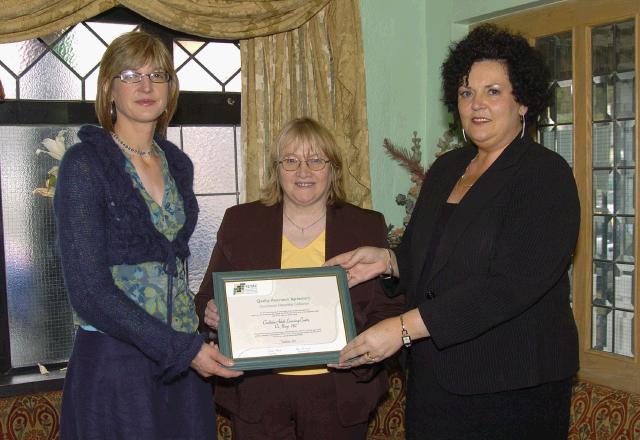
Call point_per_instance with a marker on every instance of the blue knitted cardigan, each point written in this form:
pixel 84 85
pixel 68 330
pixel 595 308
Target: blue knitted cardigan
pixel 102 220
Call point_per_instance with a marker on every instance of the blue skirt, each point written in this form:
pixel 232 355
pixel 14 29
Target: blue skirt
pixel 110 393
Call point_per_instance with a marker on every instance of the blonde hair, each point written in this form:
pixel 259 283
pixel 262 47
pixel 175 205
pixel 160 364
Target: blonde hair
pixel 133 50
pixel 304 131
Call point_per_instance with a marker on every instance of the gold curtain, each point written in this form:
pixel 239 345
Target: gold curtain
pixel 315 70
pixel 299 57
pixel 228 19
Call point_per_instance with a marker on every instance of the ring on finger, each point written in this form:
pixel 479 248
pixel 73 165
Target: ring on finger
pixel 369 358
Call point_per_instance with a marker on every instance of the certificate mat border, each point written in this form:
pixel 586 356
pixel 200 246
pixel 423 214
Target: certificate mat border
pixel 290 360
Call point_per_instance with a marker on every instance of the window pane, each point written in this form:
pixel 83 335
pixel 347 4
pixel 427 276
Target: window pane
pixel 603 237
pixel 603 89
pixel 625 239
pixel 18 56
pixel 49 79
pixel 564 102
pixel 211 66
pixel 212 150
pixel 603 283
pixel 602 50
pixel 51 38
pixel 624 43
pixel 624 333
pixel 8 83
pixel 91 86
pixel 179 56
pixel 602 144
pixel 603 192
pixel 547 137
pixel 110 31
pixel 624 286
pixel 193 77
pixel 625 143
pixel 201 244
pixel 625 102
pixel 191 46
pixel 601 332
pixel 80 49
pixel 235 84
pixel 625 191
pixel 40 323
pixel 564 142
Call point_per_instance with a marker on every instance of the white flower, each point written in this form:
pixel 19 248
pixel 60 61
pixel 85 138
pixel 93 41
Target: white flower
pixel 54 148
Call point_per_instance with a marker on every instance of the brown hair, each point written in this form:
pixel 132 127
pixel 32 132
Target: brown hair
pixel 304 131
pixel 133 50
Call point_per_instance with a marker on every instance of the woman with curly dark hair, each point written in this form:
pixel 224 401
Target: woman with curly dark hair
pixel 483 262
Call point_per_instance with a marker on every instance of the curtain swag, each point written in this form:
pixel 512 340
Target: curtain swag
pixel 225 19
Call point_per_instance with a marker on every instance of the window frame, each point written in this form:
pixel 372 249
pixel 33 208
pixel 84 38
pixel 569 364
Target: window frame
pixel 194 109
pixel 579 17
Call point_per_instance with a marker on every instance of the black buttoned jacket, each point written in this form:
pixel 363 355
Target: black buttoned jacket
pixel 496 296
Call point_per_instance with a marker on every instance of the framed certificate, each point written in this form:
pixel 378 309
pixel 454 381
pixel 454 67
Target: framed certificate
pixel 283 318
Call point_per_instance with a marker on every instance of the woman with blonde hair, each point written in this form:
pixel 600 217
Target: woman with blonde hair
pixel 125 210
pixel 301 220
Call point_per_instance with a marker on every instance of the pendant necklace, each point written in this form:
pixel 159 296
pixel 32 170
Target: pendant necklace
pixel 461 183
pixel 123 145
pixel 461 179
pixel 305 227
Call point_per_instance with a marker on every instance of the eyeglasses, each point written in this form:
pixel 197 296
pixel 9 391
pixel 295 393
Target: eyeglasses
pixel 131 76
pixel 292 163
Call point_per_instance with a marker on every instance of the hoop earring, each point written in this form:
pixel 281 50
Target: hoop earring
pixel 464 136
pixel 524 125
pixel 113 113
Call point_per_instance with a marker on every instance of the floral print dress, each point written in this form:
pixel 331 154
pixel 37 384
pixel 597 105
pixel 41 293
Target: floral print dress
pixel 147 283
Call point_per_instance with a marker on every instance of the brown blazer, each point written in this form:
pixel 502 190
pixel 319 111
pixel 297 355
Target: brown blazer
pixel 250 238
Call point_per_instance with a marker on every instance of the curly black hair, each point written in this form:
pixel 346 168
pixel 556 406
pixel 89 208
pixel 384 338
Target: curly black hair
pixel 528 73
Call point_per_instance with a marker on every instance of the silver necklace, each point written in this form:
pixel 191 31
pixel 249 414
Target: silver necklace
pixel 305 227
pixel 140 153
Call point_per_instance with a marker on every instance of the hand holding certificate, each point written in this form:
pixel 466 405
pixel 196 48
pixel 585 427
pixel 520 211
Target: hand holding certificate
pixel 283 318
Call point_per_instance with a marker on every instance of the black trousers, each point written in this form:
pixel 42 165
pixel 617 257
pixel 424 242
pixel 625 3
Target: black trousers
pixel 536 413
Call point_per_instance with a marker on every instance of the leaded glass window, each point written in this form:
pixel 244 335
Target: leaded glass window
pixel 613 183
pixel 60 71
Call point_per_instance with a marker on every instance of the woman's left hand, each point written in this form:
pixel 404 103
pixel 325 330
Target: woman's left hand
pixel 373 345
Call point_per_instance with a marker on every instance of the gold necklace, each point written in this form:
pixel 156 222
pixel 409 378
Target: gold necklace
pixel 306 227
pixel 460 180
pixel 140 153
pixel 461 183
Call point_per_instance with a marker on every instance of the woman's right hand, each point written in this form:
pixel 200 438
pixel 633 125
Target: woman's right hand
pixel 364 263
pixel 210 362
pixel 211 315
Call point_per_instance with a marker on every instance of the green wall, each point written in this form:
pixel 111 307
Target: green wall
pixel 395 48
pixel 405 42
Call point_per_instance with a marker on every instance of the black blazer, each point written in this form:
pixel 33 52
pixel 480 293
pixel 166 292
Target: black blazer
pixel 496 297
pixel 250 238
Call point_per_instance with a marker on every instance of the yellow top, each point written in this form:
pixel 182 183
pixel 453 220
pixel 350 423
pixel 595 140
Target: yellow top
pixel 292 257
